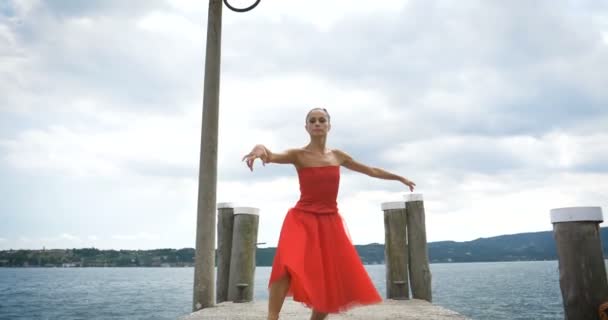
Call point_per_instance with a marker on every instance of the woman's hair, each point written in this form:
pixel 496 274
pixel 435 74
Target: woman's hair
pixel 322 109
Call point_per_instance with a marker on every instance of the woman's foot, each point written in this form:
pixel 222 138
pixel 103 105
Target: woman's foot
pixel 317 315
pixel 278 291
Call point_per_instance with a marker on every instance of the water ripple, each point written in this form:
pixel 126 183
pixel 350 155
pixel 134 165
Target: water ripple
pixel 500 290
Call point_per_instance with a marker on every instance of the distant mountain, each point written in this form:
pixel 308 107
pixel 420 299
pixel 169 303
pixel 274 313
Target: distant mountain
pixel 516 247
pixel 522 246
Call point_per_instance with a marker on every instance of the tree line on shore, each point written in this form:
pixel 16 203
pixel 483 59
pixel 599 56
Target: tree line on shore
pixel 517 247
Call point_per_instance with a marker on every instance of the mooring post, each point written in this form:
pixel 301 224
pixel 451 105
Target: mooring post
pixel 396 250
pixel 420 271
pixel 242 258
pixel 582 273
pixel 225 223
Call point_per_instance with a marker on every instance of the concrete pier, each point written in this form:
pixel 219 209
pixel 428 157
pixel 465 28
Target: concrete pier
pixel 413 309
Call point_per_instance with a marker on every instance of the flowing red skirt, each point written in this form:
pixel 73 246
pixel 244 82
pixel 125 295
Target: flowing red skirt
pixel 326 272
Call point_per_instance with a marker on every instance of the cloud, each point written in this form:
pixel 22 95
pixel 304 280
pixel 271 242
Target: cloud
pixel 138 236
pixel 68 236
pixel 466 68
pixel 65 9
pixel 150 141
pixel 95 58
pixel 496 110
pixel 553 152
pixel 61 238
pixel 25 239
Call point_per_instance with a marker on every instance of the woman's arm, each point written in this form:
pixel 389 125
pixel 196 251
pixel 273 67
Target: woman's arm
pixel 263 153
pixel 347 161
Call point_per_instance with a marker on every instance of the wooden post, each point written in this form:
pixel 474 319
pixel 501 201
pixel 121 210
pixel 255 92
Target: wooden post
pixel 242 259
pixel 225 222
pixel 395 250
pixel 582 274
pixel 420 272
pixel 204 258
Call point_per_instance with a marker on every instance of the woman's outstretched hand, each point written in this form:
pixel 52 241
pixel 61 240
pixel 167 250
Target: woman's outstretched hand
pixel 257 152
pixel 408 183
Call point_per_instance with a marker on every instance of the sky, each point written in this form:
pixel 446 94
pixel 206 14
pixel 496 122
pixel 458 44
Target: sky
pixel 498 110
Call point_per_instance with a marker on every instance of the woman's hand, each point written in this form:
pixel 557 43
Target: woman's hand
pixel 408 183
pixel 258 151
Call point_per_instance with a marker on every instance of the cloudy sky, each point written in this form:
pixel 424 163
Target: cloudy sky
pixel 498 110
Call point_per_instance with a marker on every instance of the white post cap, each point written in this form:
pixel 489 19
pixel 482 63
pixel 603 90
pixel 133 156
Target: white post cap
pixel 413 197
pixel 573 214
pixel 246 210
pixel 393 205
pixel 225 205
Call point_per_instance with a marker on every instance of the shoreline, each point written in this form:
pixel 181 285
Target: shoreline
pixel 262 266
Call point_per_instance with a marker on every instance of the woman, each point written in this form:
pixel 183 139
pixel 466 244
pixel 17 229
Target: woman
pixel 315 260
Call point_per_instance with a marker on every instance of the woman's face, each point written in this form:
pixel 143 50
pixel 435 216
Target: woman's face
pixel 317 123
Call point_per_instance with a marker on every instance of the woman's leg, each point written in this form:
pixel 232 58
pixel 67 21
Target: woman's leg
pixel 317 315
pixel 278 291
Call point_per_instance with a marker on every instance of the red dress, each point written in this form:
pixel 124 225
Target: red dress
pixel 314 248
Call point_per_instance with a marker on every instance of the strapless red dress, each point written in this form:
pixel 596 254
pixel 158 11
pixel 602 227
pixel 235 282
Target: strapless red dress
pixel 315 249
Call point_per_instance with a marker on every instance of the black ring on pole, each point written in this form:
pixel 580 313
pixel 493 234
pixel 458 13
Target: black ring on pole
pixel 241 10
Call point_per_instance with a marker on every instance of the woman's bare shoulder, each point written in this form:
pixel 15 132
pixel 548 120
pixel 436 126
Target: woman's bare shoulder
pixel 296 151
pixel 297 154
pixel 341 156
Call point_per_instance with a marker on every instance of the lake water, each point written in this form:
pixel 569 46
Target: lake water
pixel 497 290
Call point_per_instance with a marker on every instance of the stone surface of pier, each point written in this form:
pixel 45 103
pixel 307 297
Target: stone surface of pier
pixel 413 309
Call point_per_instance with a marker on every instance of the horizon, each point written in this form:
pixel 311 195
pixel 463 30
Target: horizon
pixel 266 247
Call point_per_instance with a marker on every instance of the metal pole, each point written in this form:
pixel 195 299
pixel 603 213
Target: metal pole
pixel 204 261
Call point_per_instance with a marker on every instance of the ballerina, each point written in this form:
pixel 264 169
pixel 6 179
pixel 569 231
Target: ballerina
pixel 315 260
